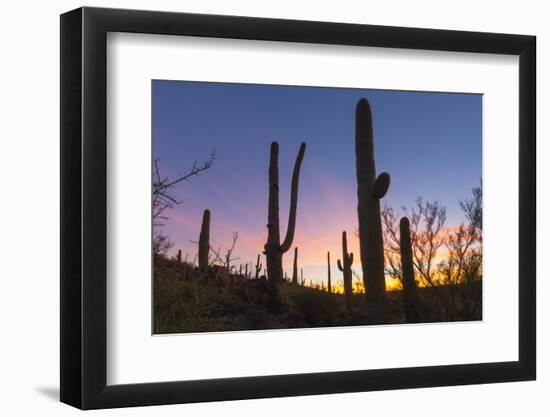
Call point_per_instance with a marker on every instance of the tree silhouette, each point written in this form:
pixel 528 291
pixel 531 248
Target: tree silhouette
pixel 163 198
pixel 461 266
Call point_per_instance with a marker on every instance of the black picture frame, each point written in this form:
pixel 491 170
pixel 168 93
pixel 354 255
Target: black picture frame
pixel 84 207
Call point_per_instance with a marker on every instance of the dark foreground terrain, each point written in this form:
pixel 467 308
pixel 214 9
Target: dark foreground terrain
pixel 189 300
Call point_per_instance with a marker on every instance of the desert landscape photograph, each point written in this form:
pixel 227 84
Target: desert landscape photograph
pixel 291 207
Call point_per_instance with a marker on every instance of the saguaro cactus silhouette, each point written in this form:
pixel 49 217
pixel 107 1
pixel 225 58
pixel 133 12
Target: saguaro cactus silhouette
pixel 273 248
pixel 295 267
pixel 329 286
pixel 204 240
pixel 345 267
pixel 410 297
pixel 370 189
pixel 258 267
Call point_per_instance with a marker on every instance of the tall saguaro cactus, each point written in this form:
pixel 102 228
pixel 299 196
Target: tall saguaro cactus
pixel 329 286
pixel 370 189
pixel 345 267
pixel 410 297
pixel 274 249
pixel 204 240
pixel 295 267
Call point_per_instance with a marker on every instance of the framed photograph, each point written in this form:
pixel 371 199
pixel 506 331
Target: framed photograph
pixel 259 208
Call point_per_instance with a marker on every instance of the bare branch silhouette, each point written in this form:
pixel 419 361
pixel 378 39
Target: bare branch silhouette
pixel 463 258
pixel 463 265
pixel 226 259
pixel 163 187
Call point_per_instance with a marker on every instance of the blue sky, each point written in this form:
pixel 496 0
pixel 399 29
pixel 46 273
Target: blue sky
pixel 430 143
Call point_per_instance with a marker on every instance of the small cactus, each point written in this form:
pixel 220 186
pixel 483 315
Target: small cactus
pixel 204 240
pixel 295 267
pixel 410 297
pixel 329 286
pixel 178 256
pixel 258 267
pixel 345 267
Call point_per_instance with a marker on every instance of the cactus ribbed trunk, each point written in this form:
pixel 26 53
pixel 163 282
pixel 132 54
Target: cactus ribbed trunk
pixel 370 189
pixel 410 297
pixel 273 248
pixel 204 240
pixel 329 285
pixel 345 267
pixel 295 267
pixel 274 256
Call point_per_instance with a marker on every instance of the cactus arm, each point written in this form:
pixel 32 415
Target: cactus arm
pixel 293 200
pixel 381 185
pixel 349 260
pixel 340 265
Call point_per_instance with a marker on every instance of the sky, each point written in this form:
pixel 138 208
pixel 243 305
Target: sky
pixel 429 143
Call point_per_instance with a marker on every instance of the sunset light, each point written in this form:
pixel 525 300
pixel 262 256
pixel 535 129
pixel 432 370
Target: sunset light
pixel 260 186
